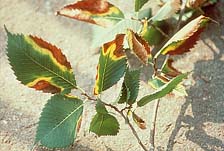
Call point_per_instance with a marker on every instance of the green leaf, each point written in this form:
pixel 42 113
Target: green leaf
pixel 103 35
pixel 145 14
pixel 100 108
pixel 104 124
pixel 184 39
pixel 124 94
pixel 151 34
pixel 112 64
pixel 159 81
pixel 167 11
pixel 187 15
pixel 98 12
pixel 131 86
pixel 38 64
pixel 59 121
pixel 139 4
pixel 164 90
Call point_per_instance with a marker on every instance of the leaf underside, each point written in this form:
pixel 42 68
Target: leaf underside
pixel 98 12
pixel 164 90
pixel 103 35
pixel 59 121
pixel 112 64
pixel 39 65
pixel 167 11
pixel 186 38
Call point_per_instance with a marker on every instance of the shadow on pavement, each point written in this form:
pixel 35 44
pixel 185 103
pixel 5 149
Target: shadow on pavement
pixel 206 97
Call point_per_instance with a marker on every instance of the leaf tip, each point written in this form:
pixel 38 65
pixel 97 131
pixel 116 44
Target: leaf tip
pixel 6 30
pixel 57 13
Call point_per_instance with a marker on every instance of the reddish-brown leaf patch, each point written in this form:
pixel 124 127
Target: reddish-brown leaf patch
pixel 45 86
pixel 57 54
pixel 139 46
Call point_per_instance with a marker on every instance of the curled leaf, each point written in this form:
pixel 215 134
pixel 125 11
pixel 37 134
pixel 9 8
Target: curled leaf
pixel 162 91
pixel 169 70
pixel 160 80
pixel 102 35
pixel 139 121
pixel 98 12
pixel 185 38
pixel 139 46
pixel 112 64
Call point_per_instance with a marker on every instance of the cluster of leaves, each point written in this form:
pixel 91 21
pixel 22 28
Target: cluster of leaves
pixel 42 66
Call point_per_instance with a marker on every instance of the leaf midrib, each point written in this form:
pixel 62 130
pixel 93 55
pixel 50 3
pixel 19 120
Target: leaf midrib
pixel 101 123
pixel 59 124
pixel 33 60
pixel 104 70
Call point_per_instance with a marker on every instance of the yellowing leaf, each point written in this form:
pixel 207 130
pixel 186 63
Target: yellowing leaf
pixel 39 64
pixel 186 38
pixel 102 35
pixel 112 64
pixel 98 12
pixel 139 46
pixel 139 121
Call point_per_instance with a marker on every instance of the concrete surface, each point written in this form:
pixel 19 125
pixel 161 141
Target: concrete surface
pixel 192 123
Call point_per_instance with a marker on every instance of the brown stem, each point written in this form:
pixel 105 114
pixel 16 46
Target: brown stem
pixel 154 26
pixel 129 124
pixel 153 126
pixel 183 6
pixel 134 132
pixel 126 108
pixel 155 67
pixel 118 111
pixel 83 92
